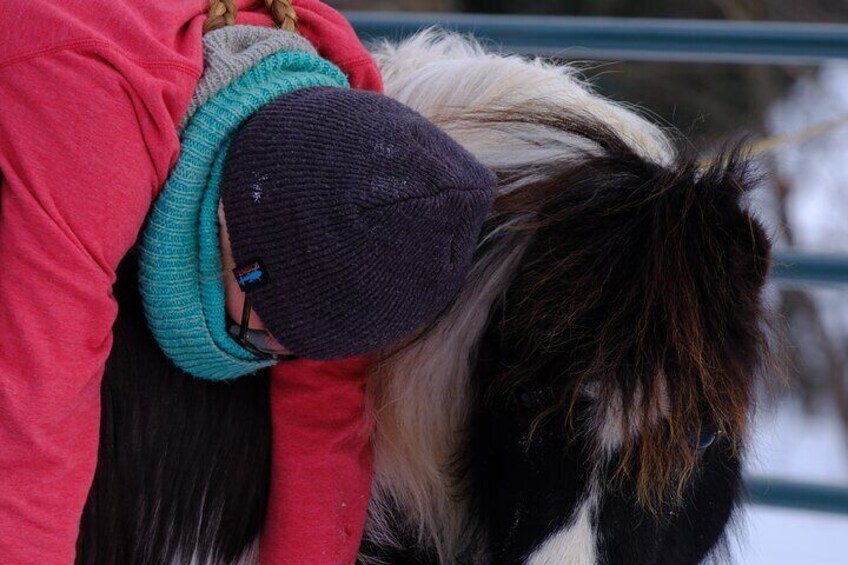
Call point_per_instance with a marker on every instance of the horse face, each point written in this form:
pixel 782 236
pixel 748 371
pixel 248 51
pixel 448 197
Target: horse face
pixel 544 493
pixel 543 501
pixel 615 377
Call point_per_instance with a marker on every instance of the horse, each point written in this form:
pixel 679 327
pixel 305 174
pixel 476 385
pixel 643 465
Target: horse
pixel 584 400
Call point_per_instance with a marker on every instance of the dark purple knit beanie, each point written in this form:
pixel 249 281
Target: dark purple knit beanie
pixel 363 215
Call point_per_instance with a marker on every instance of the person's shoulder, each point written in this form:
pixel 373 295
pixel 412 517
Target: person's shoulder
pixel 154 32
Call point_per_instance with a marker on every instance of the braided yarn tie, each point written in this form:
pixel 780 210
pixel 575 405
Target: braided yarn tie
pixel 223 13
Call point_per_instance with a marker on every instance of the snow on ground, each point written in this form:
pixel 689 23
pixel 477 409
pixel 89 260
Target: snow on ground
pixel 775 536
pixel 802 447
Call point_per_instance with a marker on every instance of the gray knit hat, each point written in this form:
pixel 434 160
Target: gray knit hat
pixel 362 214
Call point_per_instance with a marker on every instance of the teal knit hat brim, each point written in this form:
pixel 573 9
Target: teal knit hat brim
pixel 180 271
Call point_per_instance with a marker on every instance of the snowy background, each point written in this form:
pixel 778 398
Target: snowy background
pixel 804 447
pixel 800 435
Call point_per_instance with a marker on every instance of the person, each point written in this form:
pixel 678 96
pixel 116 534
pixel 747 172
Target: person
pixel 351 221
pixel 93 93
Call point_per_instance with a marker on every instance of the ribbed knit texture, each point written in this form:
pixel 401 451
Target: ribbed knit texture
pixel 230 51
pixel 180 273
pixel 364 214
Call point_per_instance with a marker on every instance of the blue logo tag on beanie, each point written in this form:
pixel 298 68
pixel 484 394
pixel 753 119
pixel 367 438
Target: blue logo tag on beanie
pixel 251 275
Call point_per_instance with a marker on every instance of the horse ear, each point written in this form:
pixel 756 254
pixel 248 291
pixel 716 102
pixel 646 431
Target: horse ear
pixel 759 251
pixel 729 179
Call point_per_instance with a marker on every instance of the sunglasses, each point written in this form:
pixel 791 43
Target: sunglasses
pixel 259 342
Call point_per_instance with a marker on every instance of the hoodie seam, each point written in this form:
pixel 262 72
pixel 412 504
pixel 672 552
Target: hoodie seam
pixel 76 44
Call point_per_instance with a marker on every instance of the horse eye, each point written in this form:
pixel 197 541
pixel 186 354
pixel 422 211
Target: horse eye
pixel 704 439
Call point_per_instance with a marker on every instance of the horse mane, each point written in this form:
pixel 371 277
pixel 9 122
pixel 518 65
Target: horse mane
pixel 606 248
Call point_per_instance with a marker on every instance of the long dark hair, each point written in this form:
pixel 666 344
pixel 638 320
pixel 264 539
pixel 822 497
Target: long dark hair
pixel 183 464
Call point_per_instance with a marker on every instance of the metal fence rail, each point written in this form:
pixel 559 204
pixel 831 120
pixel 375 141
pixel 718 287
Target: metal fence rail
pixel 627 39
pixel 796 495
pixel 810 267
pixel 666 40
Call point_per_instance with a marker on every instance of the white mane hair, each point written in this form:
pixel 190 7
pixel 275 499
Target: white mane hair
pixel 420 394
pixel 444 75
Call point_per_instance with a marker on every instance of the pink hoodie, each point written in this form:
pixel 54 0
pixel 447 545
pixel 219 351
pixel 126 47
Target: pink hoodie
pixel 91 92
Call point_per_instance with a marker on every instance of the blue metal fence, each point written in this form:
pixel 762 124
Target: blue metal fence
pixel 810 267
pixel 666 40
pixel 781 493
pixel 627 39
